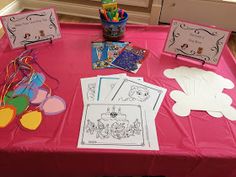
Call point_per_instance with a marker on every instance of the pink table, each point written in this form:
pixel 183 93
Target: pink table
pixel 195 146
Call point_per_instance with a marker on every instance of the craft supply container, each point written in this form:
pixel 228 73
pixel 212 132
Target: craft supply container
pixel 114 31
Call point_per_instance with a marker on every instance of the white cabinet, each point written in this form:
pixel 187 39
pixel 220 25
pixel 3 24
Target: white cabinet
pixel 211 12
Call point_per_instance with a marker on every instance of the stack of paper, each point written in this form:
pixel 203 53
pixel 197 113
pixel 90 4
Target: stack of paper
pixel 202 91
pixel 119 113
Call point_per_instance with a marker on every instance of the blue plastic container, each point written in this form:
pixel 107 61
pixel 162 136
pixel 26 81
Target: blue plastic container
pixel 114 30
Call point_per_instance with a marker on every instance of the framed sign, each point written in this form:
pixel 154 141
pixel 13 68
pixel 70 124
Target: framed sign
pixel 201 42
pixel 31 27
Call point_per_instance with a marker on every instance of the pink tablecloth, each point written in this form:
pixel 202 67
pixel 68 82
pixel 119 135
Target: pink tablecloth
pixel 194 146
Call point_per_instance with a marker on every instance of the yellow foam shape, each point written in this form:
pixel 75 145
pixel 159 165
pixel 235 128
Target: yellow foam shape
pixel 7 114
pixel 31 120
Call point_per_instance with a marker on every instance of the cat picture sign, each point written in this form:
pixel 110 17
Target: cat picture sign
pixel 204 43
pixel 31 27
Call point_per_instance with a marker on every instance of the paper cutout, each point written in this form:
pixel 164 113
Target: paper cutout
pixel 28 86
pixel 40 96
pixel 229 112
pixel 20 102
pixel 53 105
pixel 7 114
pixel 31 120
pixel 215 114
pixel 202 91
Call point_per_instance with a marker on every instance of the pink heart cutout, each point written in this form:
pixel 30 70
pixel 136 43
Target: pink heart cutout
pixel 53 105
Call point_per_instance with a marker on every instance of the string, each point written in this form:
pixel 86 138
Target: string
pixel 20 71
pixel 53 78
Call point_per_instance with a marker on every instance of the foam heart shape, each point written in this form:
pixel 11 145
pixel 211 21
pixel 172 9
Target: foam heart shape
pixel 53 105
pixel 31 120
pixel 25 90
pixel 38 80
pixel 20 102
pixel 41 95
pixel 7 114
pixel 8 96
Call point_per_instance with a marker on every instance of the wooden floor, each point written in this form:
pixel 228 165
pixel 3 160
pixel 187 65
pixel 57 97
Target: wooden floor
pixel 74 19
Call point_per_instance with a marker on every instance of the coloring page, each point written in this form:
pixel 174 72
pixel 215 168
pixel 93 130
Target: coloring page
pixel 117 126
pixel 105 84
pixel 130 90
pixel 89 87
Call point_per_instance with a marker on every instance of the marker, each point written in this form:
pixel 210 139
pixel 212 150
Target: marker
pixel 121 12
pixel 109 15
pixel 105 15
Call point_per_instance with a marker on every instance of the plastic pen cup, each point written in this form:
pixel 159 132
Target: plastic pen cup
pixel 114 30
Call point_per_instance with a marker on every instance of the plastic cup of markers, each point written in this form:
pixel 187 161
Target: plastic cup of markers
pixel 114 31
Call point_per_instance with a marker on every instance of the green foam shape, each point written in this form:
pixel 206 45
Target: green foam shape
pixel 8 96
pixel 20 102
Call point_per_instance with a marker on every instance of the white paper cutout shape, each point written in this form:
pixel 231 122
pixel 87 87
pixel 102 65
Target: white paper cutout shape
pixel 202 91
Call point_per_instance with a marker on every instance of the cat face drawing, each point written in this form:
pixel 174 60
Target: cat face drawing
pixel 139 93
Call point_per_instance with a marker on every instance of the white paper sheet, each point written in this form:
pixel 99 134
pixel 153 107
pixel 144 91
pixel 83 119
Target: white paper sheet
pixel 105 84
pixel 130 90
pixel 89 87
pixel 117 126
